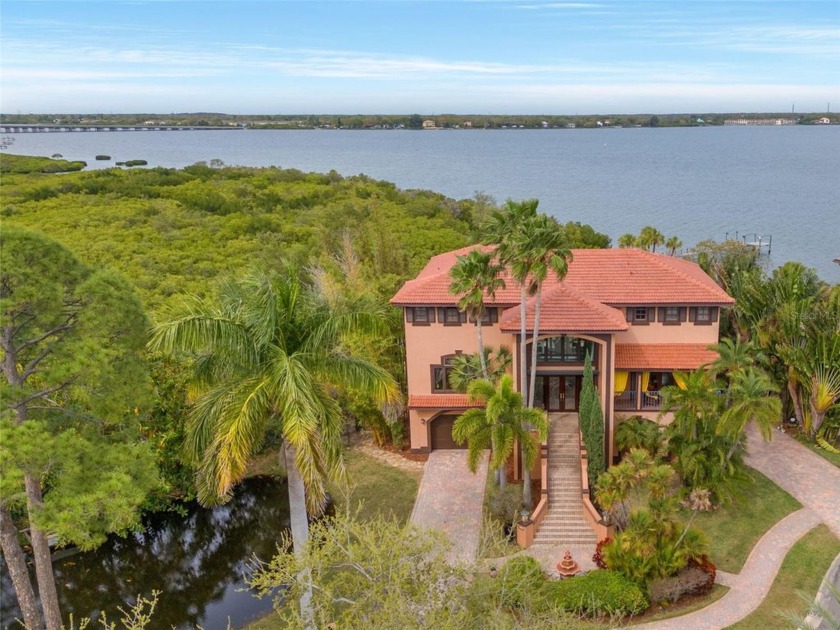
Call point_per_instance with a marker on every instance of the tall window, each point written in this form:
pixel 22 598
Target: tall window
pixel 440 375
pixel 421 315
pixel 704 314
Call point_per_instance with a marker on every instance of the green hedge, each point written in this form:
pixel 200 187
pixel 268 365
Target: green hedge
pixel 597 593
pixel 520 580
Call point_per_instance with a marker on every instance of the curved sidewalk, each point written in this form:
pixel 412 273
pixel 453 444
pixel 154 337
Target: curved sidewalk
pixel 806 476
pixel 812 481
pixel 749 588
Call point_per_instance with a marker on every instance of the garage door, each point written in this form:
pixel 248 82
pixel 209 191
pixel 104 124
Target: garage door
pixel 442 433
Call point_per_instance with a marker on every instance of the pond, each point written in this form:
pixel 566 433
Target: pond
pixel 198 561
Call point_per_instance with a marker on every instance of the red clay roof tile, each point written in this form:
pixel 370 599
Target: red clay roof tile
pixel 563 309
pixel 623 276
pixel 662 356
pixel 440 401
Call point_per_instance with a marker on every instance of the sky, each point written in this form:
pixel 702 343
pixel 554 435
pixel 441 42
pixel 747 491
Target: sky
pixel 402 57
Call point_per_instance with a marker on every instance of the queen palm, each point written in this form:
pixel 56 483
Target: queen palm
pixel 503 421
pixel 541 249
pixel 503 229
pixel 474 277
pixel 267 353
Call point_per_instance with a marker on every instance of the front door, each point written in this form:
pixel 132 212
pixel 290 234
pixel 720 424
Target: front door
pixel 557 393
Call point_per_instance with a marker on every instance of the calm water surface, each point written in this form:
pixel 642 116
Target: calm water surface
pixel 197 561
pixel 696 183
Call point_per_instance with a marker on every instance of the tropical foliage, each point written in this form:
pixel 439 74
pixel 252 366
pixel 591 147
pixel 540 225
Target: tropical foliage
pixel 652 541
pixel 500 423
pixel 74 384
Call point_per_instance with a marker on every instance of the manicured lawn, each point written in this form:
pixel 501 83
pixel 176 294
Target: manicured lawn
pixel 382 490
pixel 733 530
pixel 802 571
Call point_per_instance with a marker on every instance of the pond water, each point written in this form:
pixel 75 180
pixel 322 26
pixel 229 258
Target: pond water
pixel 199 562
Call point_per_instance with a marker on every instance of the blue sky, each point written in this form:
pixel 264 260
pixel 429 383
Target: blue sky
pixel 476 57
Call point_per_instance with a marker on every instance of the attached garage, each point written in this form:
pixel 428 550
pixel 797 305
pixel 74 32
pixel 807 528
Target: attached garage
pixel 441 432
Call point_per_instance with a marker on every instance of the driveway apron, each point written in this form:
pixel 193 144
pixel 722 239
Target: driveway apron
pixel 451 499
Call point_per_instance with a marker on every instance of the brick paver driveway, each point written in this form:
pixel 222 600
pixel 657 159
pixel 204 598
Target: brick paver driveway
pixel 450 499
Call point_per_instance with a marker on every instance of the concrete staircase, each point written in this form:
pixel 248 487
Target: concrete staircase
pixel 565 523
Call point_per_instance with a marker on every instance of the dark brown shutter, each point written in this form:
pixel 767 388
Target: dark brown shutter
pixel 409 314
pixel 652 314
pixel 662 311
pixel 682 313
pixel 441 314
pixel 630 313
pixel 692 314
pixel 713 313
pixel 494 316
pixel 463 316
pixel 431 311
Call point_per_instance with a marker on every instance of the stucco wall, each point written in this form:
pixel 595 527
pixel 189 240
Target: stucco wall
pixel 425 345
pixel 657 332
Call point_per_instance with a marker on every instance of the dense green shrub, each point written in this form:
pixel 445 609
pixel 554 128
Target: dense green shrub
pixel 504 505
pixel 31 164
pixel 136 162
pixel 595 593
pixel 520 580
pixel 688 581
pixel 103 157
pixel 638 432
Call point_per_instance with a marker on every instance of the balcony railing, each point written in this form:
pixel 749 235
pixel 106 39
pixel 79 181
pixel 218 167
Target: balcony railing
pixel 651 399
pixel 626 400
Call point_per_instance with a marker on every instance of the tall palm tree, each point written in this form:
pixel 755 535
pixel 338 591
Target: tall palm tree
pixel 503 229
pixel 750 398
pixel 692 404
pixel 268 352
pixel 628 240
pixel 542 250
pixel 474 277
pixel 503 421
pixel 734 356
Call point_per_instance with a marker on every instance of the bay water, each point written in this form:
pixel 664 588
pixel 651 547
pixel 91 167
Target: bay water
pixel 696 183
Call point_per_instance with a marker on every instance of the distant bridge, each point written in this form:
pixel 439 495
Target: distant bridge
pixel 7 128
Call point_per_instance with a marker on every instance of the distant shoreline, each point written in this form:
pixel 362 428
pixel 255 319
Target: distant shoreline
pixel 420 122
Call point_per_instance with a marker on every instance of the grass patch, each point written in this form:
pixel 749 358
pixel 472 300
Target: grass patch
pixel 734 529
pixel 832 458
pixel 802 571
pixel 10 163
pixel 381 489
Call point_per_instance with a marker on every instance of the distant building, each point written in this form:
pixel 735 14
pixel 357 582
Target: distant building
pixel 429 124
pixel 824 121
pixel 467 124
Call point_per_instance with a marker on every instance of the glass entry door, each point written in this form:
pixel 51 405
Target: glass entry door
pixel 557 393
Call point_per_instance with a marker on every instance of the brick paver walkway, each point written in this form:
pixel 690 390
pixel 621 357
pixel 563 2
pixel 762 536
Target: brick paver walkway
pixel 809 478
pixel 451 499
pixel 806 476
pixel 749 588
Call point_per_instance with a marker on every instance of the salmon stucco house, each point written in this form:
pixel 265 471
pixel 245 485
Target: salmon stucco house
pixel 641 315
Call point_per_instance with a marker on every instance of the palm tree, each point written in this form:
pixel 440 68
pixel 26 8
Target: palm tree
pixel 673 244
pixel 503 230
pixel 542 249
pixel 466 368
pixel 474 277
pixel 502 422
pixel 734 356
pixel 750 400
pixel 650 237
pixel 268 353
pixel 692 404
pixel 628 240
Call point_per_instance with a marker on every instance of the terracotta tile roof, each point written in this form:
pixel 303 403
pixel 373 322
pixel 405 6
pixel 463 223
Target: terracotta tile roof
pixel 662 356
pixel 564 309
pixel 623 276
pixel 440 401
